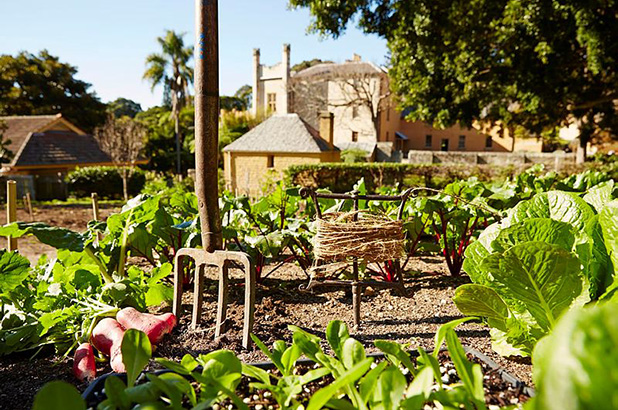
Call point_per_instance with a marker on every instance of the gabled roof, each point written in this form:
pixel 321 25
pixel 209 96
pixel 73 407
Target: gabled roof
pixel 281 133
pixel 39 140
pixel 59 148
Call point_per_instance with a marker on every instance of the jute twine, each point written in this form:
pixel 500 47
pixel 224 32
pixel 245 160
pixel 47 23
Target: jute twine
pixel 373 238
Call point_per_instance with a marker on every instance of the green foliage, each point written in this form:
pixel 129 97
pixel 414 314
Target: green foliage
pixel 574 366
pixel 123 107
pixel 136 353
pixel 494 61
pixel 58 395
pixel 245 94
pixel 42 84
pixel 160 144
pixel 105 181
pixel 6 155
pixel 351 156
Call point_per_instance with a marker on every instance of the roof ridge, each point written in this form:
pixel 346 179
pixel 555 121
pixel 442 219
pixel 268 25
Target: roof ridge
pixel 31 116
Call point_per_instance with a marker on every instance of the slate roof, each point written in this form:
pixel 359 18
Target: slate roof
pixel 33 144
pixel 281 133
pixel 19 127
pixel 60 148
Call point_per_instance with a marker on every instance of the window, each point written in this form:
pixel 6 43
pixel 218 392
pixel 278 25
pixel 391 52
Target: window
pixel 489 142
pixel 272 102
pixel 444 144
pixel 462 142
pixel 270 161
pixel 388 136
pixel 388 112
pixel 354 136
pixel 355 111
pixel 428 141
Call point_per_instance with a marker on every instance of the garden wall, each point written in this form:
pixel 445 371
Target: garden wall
pixel 549 159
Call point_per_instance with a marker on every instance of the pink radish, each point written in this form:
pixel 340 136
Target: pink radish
pixel 116 359
pixel 84 366
pixel 155 327
pixel 106 334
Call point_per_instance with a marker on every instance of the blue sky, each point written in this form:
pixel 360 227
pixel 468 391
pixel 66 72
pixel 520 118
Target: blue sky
pixel 109 40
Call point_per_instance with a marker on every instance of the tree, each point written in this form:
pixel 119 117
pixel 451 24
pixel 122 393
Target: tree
pixel 42 84
pixel 5 153
pixel 351 88
pixel 245 94
pixel 170 68
pixel 122 139
pixel 536 64
pixel 308 63
pixel 159 145
pixel 121 107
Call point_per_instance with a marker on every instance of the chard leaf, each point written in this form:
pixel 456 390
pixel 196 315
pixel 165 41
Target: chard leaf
pixel 59 238
pixel 543 277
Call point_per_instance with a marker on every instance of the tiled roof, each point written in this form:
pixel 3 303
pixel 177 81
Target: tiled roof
pixel 61 147
pixel 281 133
pixel 20 126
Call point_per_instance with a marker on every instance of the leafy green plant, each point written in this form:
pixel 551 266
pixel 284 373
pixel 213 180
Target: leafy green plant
pixel 105 181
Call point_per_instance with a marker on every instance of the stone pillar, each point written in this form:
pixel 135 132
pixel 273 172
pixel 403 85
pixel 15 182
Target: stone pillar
pixel 256 103
pixel 285 77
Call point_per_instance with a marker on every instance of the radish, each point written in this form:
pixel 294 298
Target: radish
pixel 116 359
pixel 107 334
pixel 155 327
pixel 84 366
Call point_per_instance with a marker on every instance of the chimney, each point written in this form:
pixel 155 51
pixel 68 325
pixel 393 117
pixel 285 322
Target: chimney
pixel 285 76
pixel 356 58
pixel 327 129
pixel 255 104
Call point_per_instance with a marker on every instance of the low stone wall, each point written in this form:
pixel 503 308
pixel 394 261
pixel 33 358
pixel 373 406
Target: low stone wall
pixel 550 159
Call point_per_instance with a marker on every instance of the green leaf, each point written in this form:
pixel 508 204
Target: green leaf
pixel 535 229
pixel 396 354
pixel 544 278
pixel 336 334
pixel 367 384
pixel 59 238
pixel 558 205
pixel 470 374
pixel 608 221
pixel 475 253
pixel 115 392
pixel 322 396
pixel 58 395
pixel 575 366
pixel 479 300
pixel 352 353
pixel 14 268
pixel 599 195
pixel 136 353
pixel 159 293
pixel 390 388
pixel 442 331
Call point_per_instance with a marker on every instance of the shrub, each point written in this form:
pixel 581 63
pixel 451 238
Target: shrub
pixel 105 181
pixel 352 156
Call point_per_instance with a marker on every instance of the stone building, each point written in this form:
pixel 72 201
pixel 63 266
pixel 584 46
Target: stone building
pixel 262 154
pixel 357 93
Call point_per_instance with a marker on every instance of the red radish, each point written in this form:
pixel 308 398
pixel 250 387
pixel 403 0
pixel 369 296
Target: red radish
pixel 84 366
pixel 106 334
pixel 116 359
pixel 155 327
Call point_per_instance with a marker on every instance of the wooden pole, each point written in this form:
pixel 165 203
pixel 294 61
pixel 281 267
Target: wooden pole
pixel 11 211
pixel 95 210
pixel 29 205
pixel 207 121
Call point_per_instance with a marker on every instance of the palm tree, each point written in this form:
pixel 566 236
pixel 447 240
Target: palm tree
pixel 170 69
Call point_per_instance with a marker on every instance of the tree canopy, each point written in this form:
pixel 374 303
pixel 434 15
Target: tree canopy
pixel 533 63
pixel 123 107
pixel 42 84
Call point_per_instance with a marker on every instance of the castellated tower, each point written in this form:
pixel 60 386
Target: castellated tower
pixel 270 84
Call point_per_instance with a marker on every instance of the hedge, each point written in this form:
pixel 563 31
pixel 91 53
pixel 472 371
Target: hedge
pixel 105 181
pixel 340 177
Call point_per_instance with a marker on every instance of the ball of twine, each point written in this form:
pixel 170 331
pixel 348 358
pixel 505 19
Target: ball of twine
pixel 371 237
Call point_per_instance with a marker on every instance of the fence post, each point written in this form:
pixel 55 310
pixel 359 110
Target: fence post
pixel 11 211
pixel 29 206
pixel 95 211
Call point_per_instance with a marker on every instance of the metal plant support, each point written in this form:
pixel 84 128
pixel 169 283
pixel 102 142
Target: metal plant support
pixel 356 284
pixel 206 83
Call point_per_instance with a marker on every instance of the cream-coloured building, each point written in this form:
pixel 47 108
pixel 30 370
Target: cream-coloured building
pixel 357 93
pixel 262 154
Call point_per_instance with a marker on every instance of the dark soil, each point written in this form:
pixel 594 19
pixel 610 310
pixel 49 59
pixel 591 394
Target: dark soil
pixel 412 319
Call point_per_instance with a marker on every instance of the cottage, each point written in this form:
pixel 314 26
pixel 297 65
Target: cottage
pixel 267 150
pixel 44 148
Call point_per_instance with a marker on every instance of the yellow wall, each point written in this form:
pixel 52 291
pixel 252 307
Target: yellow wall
pixel 247 172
